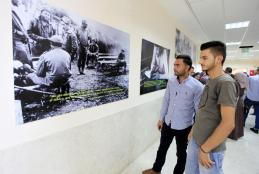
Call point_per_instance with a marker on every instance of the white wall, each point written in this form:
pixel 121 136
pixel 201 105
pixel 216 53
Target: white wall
pixel 102 139
pixel 242 65
pixel 103 146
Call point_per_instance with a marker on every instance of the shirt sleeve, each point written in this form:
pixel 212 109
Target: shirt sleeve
pixel 40 71
pixel 227 94
pixel 166 100
pixel 197 96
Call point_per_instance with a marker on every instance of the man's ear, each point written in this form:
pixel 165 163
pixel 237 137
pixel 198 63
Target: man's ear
pixel 188 67
pixel 219 59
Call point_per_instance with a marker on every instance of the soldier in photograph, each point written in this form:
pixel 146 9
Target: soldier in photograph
pixel 83 37
pixel 93 52
pixel 53 66
pixel 70 39
pixel 40 30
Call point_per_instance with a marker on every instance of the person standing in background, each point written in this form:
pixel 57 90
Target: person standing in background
pixel 241 84
pixel 70 39
pixel 83 37
pixel 192 72
pixel 93 53
pixel 40 30
pixel 228 70
pixel 252 99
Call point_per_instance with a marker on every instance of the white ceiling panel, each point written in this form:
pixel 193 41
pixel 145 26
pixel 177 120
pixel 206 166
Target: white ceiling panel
pixel 252 34
pixel 210 14
pixel 206 20
pixel 180 11
pixel 234 35
pixel 239 10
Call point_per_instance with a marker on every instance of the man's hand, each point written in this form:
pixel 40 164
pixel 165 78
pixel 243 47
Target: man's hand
pixel 218 136
pixel 205 160
pixel 190 135
pixel 159 125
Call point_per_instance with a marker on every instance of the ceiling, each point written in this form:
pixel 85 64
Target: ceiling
pixel 206 20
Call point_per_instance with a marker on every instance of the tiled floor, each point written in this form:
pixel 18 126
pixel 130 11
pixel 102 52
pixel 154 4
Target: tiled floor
pixel 242 156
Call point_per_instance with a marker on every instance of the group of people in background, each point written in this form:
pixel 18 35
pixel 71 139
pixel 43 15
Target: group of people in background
pixel 248 96
pixel 201 110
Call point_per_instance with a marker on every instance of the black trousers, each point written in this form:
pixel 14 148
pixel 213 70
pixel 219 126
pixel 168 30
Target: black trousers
pixel 167 136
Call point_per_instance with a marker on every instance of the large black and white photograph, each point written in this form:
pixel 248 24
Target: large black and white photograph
pixel 63 62
pixel 154 67
pixel 183 45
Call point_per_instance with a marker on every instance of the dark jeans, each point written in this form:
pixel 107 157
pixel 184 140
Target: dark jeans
pixel 247 105
pixel 167 135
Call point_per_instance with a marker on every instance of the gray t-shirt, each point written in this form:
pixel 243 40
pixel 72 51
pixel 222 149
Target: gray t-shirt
pixel 218 91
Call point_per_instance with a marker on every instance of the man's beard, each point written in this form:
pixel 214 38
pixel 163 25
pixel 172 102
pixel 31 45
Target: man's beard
pixel 179 74
pixel 210 67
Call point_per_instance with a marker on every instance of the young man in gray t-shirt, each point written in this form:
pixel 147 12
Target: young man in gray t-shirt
pixel 216 114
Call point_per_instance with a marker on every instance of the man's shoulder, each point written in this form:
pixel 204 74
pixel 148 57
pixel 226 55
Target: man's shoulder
pixel 61 50
pixel 193 80
pixel 194 83
pixel 172 79
pixel 56 51
pixel 225 78
pixel 60 53
pixel 44 54
pixel 224 84
pixel 256 77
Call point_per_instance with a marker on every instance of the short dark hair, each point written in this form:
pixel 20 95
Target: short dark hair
pixel 186 59
pixel 228 70
pixel 216 47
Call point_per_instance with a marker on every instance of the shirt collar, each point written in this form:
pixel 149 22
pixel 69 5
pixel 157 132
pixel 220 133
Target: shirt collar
pixel 184 81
